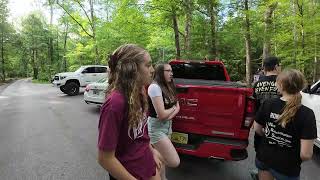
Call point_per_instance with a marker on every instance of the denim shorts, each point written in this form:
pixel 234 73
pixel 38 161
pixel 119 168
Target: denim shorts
pixel 159 129
pixel 278 176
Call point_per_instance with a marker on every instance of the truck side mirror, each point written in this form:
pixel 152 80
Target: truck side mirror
pixel 84 71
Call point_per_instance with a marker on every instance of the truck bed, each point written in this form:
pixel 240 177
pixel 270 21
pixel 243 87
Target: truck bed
pixel 200 82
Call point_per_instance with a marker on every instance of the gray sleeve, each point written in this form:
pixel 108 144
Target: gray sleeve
pixel 154 90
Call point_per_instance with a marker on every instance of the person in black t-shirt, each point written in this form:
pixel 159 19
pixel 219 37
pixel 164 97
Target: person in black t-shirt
pixel 288 129
pixel 265 88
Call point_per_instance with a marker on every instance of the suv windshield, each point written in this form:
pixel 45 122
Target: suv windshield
pixel 79 70
pixel 198 71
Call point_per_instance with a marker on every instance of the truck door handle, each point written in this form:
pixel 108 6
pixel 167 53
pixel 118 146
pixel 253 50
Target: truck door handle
pixel 182 89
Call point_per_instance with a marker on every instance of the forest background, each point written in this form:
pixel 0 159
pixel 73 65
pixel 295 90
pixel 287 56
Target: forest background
pixel 240 33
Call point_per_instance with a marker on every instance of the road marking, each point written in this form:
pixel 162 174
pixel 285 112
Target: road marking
pixel 4 97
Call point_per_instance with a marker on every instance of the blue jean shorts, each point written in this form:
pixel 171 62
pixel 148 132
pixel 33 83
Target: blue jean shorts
pixel 278 176
pixel 159 129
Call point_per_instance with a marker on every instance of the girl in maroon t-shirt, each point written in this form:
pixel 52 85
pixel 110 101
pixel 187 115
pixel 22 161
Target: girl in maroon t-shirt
pixel 123 142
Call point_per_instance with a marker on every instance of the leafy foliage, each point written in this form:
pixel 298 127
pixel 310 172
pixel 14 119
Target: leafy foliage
pixel 80 39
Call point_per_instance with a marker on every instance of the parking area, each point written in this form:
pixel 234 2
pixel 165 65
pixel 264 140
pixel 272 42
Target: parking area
pixel 45 134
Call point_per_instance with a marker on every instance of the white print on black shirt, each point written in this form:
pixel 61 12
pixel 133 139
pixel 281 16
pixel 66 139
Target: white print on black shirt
pixel 138 132
pixel 274 116
pixel 274 135
pixel 266 86
pixel 266 90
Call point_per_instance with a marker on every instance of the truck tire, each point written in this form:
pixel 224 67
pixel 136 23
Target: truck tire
pixel 72 88
pixel 63 89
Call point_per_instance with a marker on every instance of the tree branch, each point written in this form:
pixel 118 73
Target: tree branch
pixel 85 12
pixel 198 8
pixel 300 8
pixel 90 35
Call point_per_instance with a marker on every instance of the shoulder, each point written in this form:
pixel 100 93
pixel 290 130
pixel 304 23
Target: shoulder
pixel 154 86
pixel 115 101
pixel 305 111
pixel 154 90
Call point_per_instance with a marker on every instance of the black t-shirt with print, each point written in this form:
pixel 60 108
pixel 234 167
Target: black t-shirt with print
pixel 280 147
pixel 264 88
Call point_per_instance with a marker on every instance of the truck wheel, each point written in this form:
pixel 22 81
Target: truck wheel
pixel 63 89
pixel 72 88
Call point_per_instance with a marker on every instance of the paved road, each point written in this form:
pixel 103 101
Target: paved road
pixel 45 134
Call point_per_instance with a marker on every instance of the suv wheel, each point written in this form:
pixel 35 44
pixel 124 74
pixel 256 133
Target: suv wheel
pixel 63 89
pixel 72 88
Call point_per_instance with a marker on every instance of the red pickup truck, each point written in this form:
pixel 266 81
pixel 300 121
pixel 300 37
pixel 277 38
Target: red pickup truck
pixel 215 114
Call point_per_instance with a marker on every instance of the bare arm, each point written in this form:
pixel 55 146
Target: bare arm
pixel 110 163
pixel 163 114
pixel 306 150
pixel 175 112
pixel 258 128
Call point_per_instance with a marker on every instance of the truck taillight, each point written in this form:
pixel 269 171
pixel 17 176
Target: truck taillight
pixel 250 105
pixel 249 113
pixel 87 89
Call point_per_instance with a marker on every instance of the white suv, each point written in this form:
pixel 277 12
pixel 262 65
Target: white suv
pixel 70 82
pixel 311 99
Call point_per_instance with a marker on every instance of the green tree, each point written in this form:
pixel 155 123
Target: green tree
pixel 35 37
pixel 4 27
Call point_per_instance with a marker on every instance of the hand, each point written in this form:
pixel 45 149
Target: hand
pixel 157 158
pixel 178 106
pixel 174 108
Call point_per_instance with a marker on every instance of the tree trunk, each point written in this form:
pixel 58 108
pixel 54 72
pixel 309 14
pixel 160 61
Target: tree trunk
pixel 58 52
pixel 24 62
pixel 267 26
pixel 50 42
pixel 65 48
pixel 212 13
pixel 189 10
pixel 248 44
pixel 295 39
pixel 2 57
pixel 315 65
pixel 33 64
pixel 176 33
pixel 93 26
pixel 275 43
pixel 302 38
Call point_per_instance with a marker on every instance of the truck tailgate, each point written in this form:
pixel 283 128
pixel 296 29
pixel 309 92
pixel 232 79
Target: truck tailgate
pixel 213 108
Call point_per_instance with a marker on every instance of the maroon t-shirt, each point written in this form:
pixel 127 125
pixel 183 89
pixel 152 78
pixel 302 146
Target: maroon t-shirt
pixel 131 146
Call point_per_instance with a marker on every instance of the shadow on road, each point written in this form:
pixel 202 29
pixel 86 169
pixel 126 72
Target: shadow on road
pixel 94 109
pixel 62 95
pixel 203 168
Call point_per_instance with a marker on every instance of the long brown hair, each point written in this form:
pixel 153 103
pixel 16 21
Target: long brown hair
pixel 292 82
pixel 168 88
pixel 125 76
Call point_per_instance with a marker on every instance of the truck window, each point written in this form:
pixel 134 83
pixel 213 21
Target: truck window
pixel 198 71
